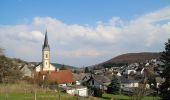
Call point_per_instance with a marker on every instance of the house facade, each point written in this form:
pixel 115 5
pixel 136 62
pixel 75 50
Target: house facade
pixel 76 90
pixel 98 81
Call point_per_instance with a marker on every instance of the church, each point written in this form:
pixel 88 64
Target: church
pixel 45 71
pixel 45 65
pixel 51 72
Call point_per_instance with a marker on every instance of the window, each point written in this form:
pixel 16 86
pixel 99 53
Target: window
pixel 46 56
pixel 92 82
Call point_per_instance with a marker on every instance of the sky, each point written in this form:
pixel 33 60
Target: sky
pixel 83 32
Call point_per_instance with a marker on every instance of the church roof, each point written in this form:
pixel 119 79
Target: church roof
pixel 46 45
pixel 61 76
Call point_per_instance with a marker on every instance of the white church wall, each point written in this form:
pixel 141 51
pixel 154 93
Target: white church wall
pixel 51 68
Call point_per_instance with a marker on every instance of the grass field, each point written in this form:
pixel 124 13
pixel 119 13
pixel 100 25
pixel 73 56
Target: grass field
pixel 125 97
pixel 39 96
pixel 27 92
pixel 63 96
pixel 24 91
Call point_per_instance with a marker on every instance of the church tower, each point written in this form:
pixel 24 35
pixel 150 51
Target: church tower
pixel 46 54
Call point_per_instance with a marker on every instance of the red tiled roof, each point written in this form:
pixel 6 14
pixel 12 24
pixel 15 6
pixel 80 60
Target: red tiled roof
pixel 61 76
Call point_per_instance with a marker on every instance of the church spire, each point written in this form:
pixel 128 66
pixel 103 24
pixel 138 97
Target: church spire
pixel 46 46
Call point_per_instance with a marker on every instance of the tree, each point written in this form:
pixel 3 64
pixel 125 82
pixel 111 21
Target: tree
pixel 9 70
pixel 165 58
pixel 86 70
pixel 97 92
pixel 63 67
pixel 114 87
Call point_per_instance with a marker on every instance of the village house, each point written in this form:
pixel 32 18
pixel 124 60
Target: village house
pixel 61 77
pixel 81 77
pixel 128 83
pixel 98 81
pixel 129 70
pixel 26 69
pixel 76 90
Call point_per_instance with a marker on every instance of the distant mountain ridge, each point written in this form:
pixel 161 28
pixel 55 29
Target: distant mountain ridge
pixel 57 65
pixel 131 58
pixel 134 57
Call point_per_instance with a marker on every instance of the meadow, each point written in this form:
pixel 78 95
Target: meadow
pixel 24 91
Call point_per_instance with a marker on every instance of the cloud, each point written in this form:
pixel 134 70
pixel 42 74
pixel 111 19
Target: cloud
pixel 147 32
pixel 80 53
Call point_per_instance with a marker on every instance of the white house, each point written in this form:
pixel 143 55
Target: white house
pixel 27 72
pixel 128 83
pixel 129 70
pixel 76 90
pixel 98 81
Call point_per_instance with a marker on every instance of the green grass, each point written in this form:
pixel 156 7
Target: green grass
pixel 109 96
pixel 26 92
pixel 64 96
pixel 125 97
pixel 40 96
pixel 151 98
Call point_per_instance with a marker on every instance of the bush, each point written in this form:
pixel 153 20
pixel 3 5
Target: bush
pixel 97 92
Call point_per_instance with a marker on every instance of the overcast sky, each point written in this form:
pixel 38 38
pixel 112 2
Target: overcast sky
pixel 83 32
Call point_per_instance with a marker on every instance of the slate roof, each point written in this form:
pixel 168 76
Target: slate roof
pixel 81 76
pixel 126 80
pixel 46 45
pixel 100 79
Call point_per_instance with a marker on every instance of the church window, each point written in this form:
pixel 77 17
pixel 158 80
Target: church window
pixel 46 56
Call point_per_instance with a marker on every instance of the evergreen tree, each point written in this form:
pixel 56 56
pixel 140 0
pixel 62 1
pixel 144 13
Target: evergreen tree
pixel 165 58
pixel 114 87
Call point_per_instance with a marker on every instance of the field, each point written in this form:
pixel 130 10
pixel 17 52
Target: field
pixel 30 92
pixel 39 96
pixel 23 91
pixel 63 96
pixel 125 97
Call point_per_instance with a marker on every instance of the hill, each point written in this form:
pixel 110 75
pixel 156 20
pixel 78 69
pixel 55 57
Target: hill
pixel 130 58
pixel 61 65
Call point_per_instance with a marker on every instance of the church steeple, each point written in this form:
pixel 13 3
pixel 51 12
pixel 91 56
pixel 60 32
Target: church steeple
pixel 46 45
pixel 46 54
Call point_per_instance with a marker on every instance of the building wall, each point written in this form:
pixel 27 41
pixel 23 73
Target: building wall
pixel 78 91
pixel 51 68
pixel 130 84
pixel 26 71
pixel 46 59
